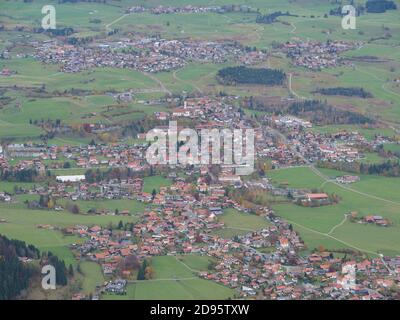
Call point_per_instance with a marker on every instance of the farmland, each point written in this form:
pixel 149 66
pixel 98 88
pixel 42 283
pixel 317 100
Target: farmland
pixel 371 195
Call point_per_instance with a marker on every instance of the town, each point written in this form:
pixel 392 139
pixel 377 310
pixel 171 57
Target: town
pixel 178 150
pixel 182 219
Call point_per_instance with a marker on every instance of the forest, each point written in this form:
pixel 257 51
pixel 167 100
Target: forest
pixel 380 6
pixel 318 112
pixel 244 75
pixel 14 274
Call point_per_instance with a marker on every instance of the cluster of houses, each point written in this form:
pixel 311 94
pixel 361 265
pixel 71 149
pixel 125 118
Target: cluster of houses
pixel 5 72
pixel 267 264
pixel 142 54
pixel 315 55
pixel 347 179
pixel 77 58
pixel 83 156
pixel 378 220
pixel 341 146
pixel 291 122
pixel 188 9
pixel 5 197
pixel 369 219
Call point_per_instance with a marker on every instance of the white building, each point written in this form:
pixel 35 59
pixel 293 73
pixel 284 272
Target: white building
pixel 71 178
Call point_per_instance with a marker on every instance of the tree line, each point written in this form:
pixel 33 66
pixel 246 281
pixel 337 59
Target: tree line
pixel 271 18
pixel 379 6
pixel 24 175
pixel 146 271
pixel 390 168
pixel 342 91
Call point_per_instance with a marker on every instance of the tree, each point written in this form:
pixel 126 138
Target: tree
pixel 73 208
pixel 50 203
pixel 70 270
pixel 142 271
pixel 149 273
pixel 120 225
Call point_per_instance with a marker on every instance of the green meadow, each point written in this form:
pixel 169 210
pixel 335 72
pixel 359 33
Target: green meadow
pixel 92 276
pixel 134 207
pixel 325 225
pixel 174 281
pixel 155 183
pixel 21 223
pixel 239 223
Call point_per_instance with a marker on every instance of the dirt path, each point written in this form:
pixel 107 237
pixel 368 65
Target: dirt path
pixel 187 267
pixel 189 83
pixel 291 89
pixel 332 237
pixel 163 87
pixel 294 27
pixel 116 20
pixel 338 225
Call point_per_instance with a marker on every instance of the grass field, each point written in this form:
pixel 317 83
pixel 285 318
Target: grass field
pixel 76 110
pixel 238 223
pixel 155 183
pixel 174 281
pixel 392 147
pixel 196 262
pixel 93 276
pixel 295 178
pixel 134 207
